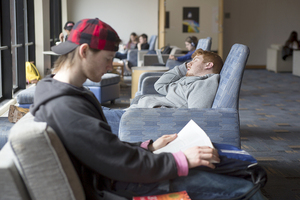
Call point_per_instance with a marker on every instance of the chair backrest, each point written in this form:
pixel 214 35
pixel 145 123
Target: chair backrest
pixel 132 57
pixel 152 42
pixel 231 77
pixel 11 184
pixel 42 162
pixel 204 43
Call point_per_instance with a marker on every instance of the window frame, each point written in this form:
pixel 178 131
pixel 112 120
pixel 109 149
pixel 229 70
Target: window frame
pixel 6 69
pixel 24 23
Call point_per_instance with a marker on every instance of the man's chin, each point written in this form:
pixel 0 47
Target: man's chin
pixel 96 80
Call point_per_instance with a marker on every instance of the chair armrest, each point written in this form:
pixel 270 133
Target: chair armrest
pixel 144 75
pixel 141 124
pixel 141 57
pixel 132 57
pixel 147 86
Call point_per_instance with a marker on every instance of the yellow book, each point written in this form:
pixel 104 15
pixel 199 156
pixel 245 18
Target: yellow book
pixel 183 195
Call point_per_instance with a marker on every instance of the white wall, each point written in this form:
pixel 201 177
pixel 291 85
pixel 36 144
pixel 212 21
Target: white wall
pixel 174 34
pixel 258 24
pixel 255 23
pixel 125 16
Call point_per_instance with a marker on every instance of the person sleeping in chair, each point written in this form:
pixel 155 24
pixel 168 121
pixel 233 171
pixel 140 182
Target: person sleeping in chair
pixel 189 85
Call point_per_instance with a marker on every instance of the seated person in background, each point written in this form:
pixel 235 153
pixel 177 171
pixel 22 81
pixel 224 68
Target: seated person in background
pixel 132 44
pixel 101 160
pixel 143 42
pixel 191 44
pixel 189 85
pixel 291 44
pixel 68 27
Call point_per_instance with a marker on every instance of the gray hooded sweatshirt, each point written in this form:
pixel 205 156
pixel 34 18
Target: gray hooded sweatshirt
pixel 182 91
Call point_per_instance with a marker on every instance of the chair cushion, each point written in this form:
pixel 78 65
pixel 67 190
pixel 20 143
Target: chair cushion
pixel 107 79
pixel 26 96
pixel 43 161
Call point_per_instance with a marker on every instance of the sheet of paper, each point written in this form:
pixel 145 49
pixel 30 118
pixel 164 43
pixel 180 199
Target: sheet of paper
pixel 191 135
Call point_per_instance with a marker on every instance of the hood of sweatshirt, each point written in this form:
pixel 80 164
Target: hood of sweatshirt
pixel 49 88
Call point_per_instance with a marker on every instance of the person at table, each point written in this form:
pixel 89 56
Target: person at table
pixel 107 167
pixel 290 45
pixel 143 42
pixel 67 28
pixel 191 43
pixel 131 44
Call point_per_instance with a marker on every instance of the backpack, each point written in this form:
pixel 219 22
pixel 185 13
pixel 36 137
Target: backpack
pixel 32 74
pixel 239 163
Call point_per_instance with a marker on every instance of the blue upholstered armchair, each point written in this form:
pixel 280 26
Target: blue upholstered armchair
pixel 132 55
pixel 221 122
pixel 147 79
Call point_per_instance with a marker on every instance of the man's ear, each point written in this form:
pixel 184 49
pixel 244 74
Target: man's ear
pixel 83 49
pixel 209 65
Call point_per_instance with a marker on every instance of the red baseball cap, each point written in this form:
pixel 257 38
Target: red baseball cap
pixel 96 33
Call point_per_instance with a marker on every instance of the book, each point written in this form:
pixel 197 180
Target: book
pixel 183 195
pixel 190 135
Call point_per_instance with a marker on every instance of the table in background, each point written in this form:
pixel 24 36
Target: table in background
pixel 137 71
pixel 117 66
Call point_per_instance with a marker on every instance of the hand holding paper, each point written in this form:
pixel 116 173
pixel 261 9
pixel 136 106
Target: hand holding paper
pixel 195 144
pixel 191 135
pixel 162 142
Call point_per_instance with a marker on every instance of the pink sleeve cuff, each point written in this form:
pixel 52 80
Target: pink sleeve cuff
pixel 181 163
pixel 145 144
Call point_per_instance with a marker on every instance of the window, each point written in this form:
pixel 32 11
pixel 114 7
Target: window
pixel 16 44
pixel 5 40
pixel 55 24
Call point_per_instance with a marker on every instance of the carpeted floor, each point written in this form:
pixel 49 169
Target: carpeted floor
pixel 270 127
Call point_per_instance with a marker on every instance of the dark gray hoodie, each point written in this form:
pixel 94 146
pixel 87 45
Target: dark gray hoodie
pixel 98 155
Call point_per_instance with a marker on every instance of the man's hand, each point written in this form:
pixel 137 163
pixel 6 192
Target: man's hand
pixel 139 46
pixel 201 156
pixel 61 37
pixel 162 141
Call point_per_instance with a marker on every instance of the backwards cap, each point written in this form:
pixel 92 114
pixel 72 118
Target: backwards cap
pixel 69 25
pixel 94 32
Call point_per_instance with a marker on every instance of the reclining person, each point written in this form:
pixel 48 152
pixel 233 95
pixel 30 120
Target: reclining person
pixel 189 85
pixel 105 165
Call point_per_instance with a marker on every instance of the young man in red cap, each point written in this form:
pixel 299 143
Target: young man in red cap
pixel 109 168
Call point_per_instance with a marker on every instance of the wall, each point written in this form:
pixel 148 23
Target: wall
pixel 140 16
pixel 258 24
pixel 208 20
